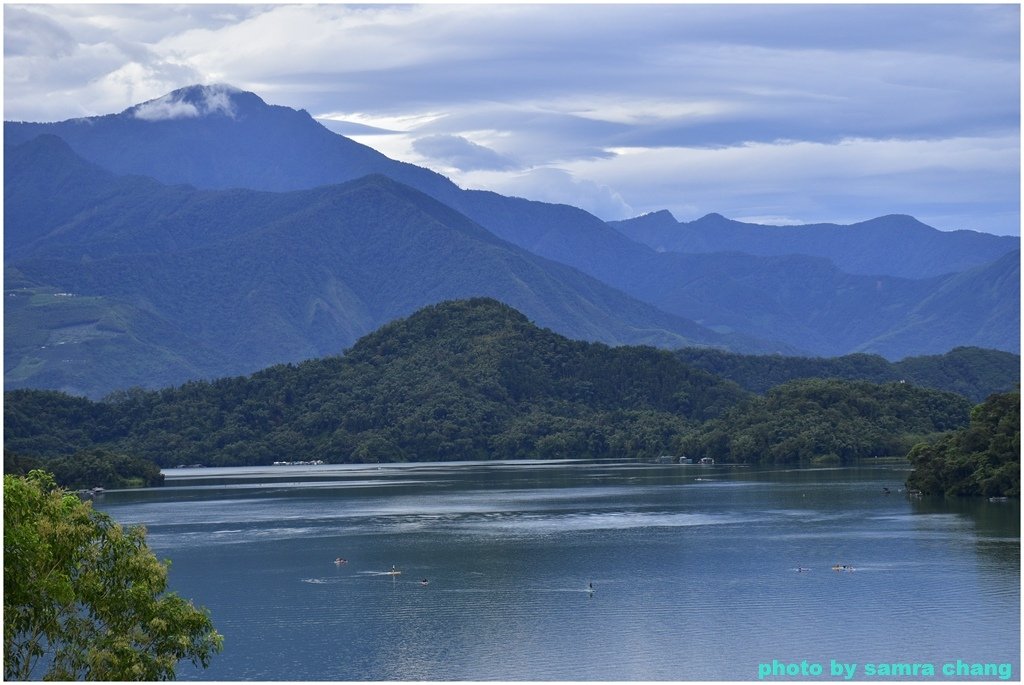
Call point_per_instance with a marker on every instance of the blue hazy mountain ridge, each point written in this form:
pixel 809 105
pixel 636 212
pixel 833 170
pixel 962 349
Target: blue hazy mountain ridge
pixel 243 142
pixel 896 245
pixel 249 278
pixel 804 302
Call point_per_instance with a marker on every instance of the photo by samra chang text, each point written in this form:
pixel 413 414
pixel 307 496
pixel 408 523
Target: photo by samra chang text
pixel 958 669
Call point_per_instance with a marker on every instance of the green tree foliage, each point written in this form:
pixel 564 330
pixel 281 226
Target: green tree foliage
pixel 972 372
pixel 90 468
pixel 827 421
pixel 981 459
pixel 84 598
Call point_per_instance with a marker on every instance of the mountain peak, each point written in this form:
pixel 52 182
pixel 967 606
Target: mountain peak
pixel 191 102
pixel 714 220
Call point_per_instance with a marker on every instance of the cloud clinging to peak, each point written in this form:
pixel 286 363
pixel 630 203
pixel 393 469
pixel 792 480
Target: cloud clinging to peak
pixel 196 102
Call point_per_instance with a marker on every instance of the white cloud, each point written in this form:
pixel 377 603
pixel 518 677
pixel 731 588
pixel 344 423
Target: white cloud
pixel 549 184
pixel 166 108
pixel 195 102
pixel 671 88
pixel 461 153
pixel 851 180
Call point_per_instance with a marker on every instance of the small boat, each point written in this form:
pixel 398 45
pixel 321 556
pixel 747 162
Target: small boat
pixel 393 572
pixel 424 582
pixel 841 567
pixel 707 461
pixel 339 561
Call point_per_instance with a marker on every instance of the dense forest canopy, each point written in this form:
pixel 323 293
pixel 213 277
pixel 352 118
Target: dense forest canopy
pixel 972 372
pixel 828 422
pixel 474 379
pixel 89 468
pixel 981 459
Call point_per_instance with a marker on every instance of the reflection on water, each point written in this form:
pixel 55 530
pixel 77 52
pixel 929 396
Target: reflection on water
pixel 579 570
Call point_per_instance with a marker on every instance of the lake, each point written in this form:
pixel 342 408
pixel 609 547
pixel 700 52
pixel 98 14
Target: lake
pixel 694 572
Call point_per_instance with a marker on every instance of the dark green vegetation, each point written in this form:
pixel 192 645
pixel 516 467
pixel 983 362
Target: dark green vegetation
pixel 171 283
pixel 969 371
pixel 475 380
pixel 89 468
pixel 84 598
pixel 828 422
pixel 981 459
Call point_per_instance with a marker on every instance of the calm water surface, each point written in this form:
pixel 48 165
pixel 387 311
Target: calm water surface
pixel 694 570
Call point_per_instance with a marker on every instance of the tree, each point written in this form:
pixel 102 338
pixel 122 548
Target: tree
pixel 981 459
pixel 84 598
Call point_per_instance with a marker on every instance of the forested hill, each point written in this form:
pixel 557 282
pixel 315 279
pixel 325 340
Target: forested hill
pixel 981 459
pixel 474 379
pixel 461 380
pixel 815 421
pixel 972 372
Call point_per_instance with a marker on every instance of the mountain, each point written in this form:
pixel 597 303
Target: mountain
pixel 894 245
pixel 980 306
pixel 115 281
pixel 196 135
pixel 217 137
pixel 811 304
pixel 469 379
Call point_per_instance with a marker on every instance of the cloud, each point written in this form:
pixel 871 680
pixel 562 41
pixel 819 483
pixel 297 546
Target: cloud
pixel 488 90
pixel 189 103
pixel 549 184
pixel 850 180
pixel 461 153
pixel 28 33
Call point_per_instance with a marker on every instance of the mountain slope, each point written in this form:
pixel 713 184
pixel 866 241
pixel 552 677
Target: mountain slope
pixel 252 278
pixel 984 302
pixel 194 135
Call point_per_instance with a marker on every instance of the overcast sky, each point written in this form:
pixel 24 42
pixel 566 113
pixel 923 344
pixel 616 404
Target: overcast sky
pixel 770 113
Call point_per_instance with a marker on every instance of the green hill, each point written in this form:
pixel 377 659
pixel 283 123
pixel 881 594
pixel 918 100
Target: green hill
pixel 474 379
pixel 460 380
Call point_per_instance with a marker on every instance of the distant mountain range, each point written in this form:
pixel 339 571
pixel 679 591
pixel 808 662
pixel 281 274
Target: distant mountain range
pixel 894 245
pixel 291 241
